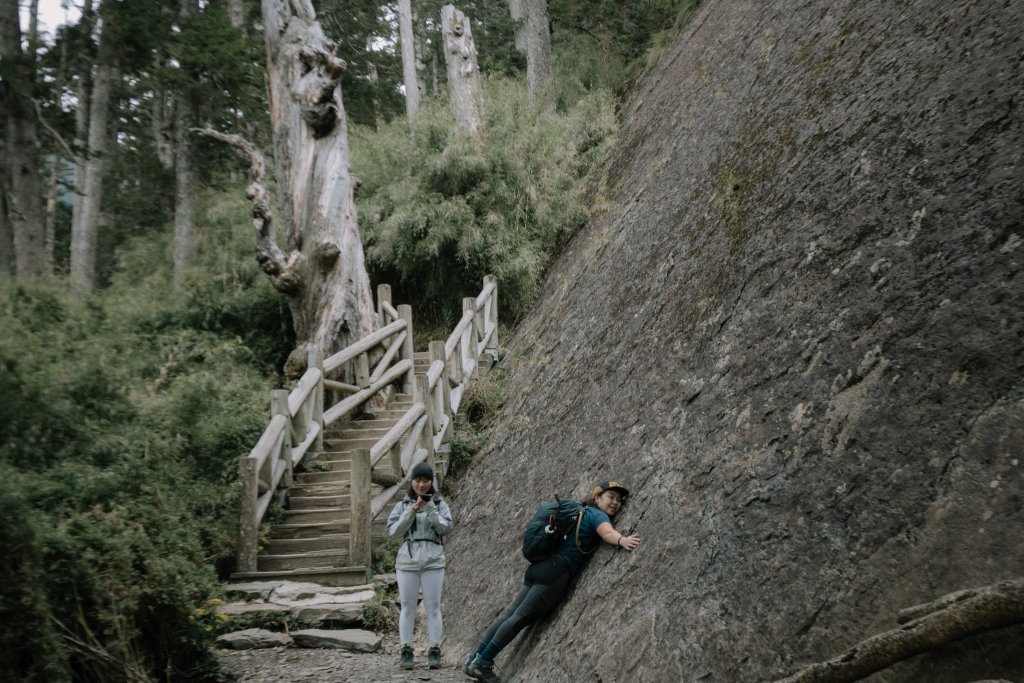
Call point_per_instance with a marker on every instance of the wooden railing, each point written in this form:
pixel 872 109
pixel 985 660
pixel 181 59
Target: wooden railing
pixel 299 417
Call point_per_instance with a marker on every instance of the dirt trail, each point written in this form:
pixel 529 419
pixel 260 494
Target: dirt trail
pixel 295 665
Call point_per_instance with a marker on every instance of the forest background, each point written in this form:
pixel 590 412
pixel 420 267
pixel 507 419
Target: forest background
pixel 134 376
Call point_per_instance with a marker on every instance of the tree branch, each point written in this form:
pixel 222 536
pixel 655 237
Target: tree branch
pixel 61 142
pixel 938 623
pixel 281 269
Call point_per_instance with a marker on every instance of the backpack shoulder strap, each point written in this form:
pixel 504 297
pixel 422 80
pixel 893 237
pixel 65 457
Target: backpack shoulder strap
pixel 579 522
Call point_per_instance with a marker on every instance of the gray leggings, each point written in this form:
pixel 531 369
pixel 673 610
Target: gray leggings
pixel 544 586
pixel 430 581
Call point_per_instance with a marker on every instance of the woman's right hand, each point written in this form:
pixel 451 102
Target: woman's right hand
pixel 629 542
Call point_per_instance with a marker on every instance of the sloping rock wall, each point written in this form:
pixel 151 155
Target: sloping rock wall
pixel 795 329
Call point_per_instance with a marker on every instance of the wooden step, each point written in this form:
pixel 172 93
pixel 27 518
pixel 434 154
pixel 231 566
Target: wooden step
pixel 332 576
pixel 290 546
pixel 308 502
pixel 318 559
pixel 340 476
pixel 314 515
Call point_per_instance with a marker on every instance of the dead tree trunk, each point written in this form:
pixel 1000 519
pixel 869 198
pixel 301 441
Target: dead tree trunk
pixel 925 627
pixel 463 73
pixel 405 35
pixel 84 232
pixel 323 271
pixel 539 85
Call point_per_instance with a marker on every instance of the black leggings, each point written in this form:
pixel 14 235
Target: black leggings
pixel 544 586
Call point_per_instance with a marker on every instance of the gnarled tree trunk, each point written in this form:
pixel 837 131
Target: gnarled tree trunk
pixel 323 271
pixel 463 72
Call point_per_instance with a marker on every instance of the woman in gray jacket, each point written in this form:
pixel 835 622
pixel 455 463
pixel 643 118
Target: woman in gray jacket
pixel 422 518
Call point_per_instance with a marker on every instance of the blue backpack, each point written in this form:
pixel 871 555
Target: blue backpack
pixel 549 526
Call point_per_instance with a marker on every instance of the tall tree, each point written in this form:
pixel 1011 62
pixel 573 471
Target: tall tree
pixel 408 45
pixel 184 166
pixel 85 228
pixel 22 205
pixel 517 8
pixel 539 85
pixel 463 72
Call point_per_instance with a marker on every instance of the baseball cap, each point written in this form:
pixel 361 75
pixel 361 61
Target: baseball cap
pixel 611 486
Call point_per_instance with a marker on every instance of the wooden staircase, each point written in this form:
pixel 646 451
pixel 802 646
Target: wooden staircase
pixel 311 544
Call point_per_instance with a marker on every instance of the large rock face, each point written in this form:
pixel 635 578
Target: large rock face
pixel 796 329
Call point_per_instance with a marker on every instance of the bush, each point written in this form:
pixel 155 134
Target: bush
pixel 122 418
pixel 438 211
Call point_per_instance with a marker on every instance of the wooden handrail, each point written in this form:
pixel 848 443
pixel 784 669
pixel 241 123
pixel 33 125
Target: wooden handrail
pixel 363 345
pixel 362 395
pixel 394 435
pixel 303 389
pixel 299 418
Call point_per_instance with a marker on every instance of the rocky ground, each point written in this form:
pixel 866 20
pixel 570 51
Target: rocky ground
pixel 295 665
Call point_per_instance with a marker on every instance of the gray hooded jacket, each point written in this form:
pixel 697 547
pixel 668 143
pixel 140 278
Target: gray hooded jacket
pixel 422 532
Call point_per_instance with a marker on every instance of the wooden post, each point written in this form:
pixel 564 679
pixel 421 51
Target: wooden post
pixel 279 406
pixel 383 294
pixel 437 353
pixel 360 547
pixel 471 338
pixel 492 315
pixel 409 381
pixel 316 360
pixel 422 394
pixel 362 371
pixel 247 520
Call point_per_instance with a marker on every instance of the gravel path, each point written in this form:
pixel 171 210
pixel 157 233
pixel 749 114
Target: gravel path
pixel 292 665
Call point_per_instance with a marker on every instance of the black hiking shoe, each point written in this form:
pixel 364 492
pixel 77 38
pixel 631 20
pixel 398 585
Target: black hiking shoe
pixel 470 664
pixel 434 657
pixel 484 672
pixel 406 661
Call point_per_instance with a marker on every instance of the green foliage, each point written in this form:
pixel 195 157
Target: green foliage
pixel 438 211
pixel 121 421
pixel 384 556
pixel 480 404
pixel 378 615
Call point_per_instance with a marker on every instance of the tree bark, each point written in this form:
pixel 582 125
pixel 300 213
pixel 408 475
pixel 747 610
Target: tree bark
pixel 236 13
pixel 951 618
pixel 84 233
pixel 517 8
pixel 412 90
pixel 184 173
pixel 539 84
pixel 83 93
pixel 463 73
pixel 50 212
pixel 324 272
pixel 20 166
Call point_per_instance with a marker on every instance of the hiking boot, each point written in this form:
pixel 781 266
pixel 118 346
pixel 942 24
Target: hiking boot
pixel 434 657
pixel 484 672
pixel 470 665
pixel 406 661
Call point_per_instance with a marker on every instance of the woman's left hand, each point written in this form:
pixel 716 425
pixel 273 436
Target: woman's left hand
pixel 630 543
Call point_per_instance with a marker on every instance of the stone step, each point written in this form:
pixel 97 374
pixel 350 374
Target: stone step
pixel 329 576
